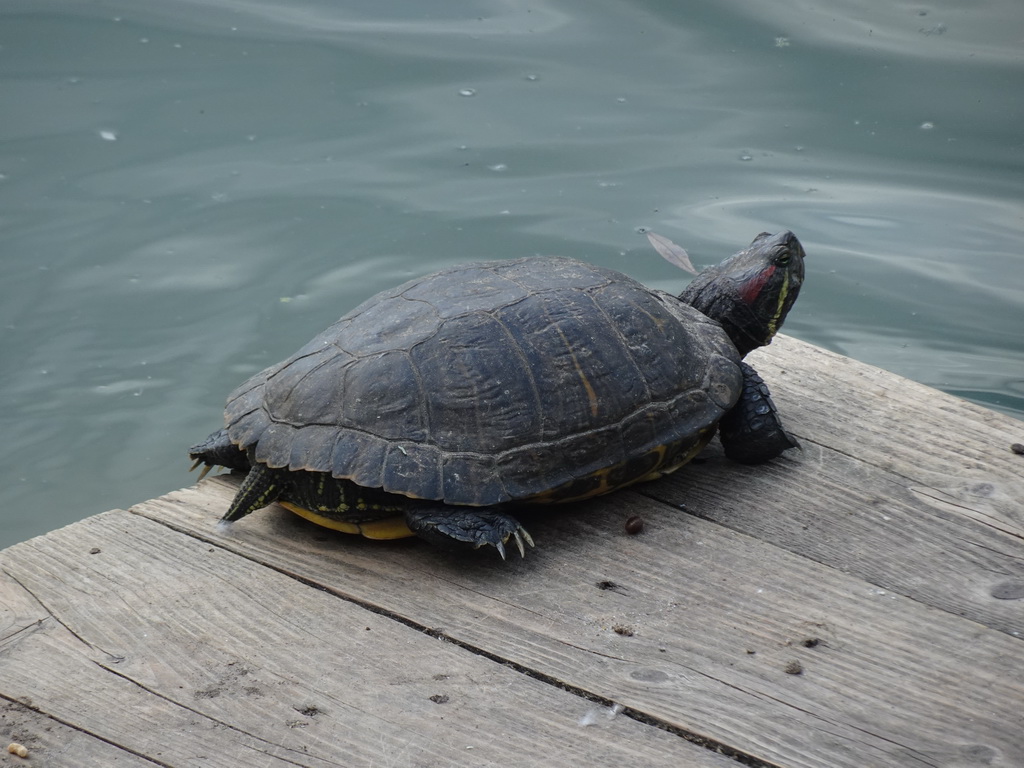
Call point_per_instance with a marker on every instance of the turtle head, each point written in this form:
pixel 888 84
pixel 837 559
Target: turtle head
pixel 750 293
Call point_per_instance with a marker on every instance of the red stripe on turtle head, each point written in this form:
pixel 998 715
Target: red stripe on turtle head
pixel 750 290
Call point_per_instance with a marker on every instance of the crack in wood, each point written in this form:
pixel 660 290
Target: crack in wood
pixel 596 653
pixel 994 551
pixel 910 750
pixel 19 634
pixel 939 499
pixel 112 656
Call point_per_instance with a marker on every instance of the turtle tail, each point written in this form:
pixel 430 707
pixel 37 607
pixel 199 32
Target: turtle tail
pixel 262 486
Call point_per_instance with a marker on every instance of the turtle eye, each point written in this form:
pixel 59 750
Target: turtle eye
pixel 782 259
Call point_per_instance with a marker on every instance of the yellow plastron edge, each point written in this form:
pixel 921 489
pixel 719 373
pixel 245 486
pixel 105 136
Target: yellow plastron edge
pixel 384 529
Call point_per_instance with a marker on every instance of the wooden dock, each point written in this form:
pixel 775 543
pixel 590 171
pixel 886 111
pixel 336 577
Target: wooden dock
pixel 859 603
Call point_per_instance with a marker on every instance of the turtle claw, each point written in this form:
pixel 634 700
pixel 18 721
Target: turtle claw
pixel 521 535
pixel 206 468
pixel 474 527
pixel 521 538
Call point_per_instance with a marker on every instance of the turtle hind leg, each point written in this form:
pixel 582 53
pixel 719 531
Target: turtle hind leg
pixel 218 451
pixel 751 432
pixel 262 486
pixel 472 527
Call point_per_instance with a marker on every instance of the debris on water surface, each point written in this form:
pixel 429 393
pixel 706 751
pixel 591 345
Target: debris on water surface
pixel 672 253
pixel 1018 448
pixel 794 668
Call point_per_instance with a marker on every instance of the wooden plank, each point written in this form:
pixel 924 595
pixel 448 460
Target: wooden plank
pixel 856 496
pixel 163 645
pixel 694 625
pixel 53 743
pixel 957 455
pixel 865 521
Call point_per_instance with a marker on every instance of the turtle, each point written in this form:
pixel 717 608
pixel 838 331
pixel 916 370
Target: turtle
pixel 437 407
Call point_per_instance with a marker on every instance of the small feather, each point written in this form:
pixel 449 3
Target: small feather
pixel 672 253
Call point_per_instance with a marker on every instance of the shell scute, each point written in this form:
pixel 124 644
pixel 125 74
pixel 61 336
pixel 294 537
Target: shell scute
pixel 582 375
pixel 480 396
pixel 307 390
pixel 557 274
pixel 381 395
pixel 391 323
pixel 473 289
pixel 359 457
pixel 471 479
pixel 413 470
pixel 312 447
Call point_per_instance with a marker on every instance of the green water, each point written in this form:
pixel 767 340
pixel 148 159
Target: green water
pixel 191 190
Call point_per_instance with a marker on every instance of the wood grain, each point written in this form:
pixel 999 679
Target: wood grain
pixel 692 624
pixel 164 646
pixel 52 743
pixel 944 526
pixel 951 449
pixel 865 521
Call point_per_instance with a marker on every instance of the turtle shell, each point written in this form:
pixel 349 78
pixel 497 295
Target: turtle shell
pixel 540 378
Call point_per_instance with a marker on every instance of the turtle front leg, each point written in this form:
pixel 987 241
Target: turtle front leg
pixel 467 526
pixel 751 432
